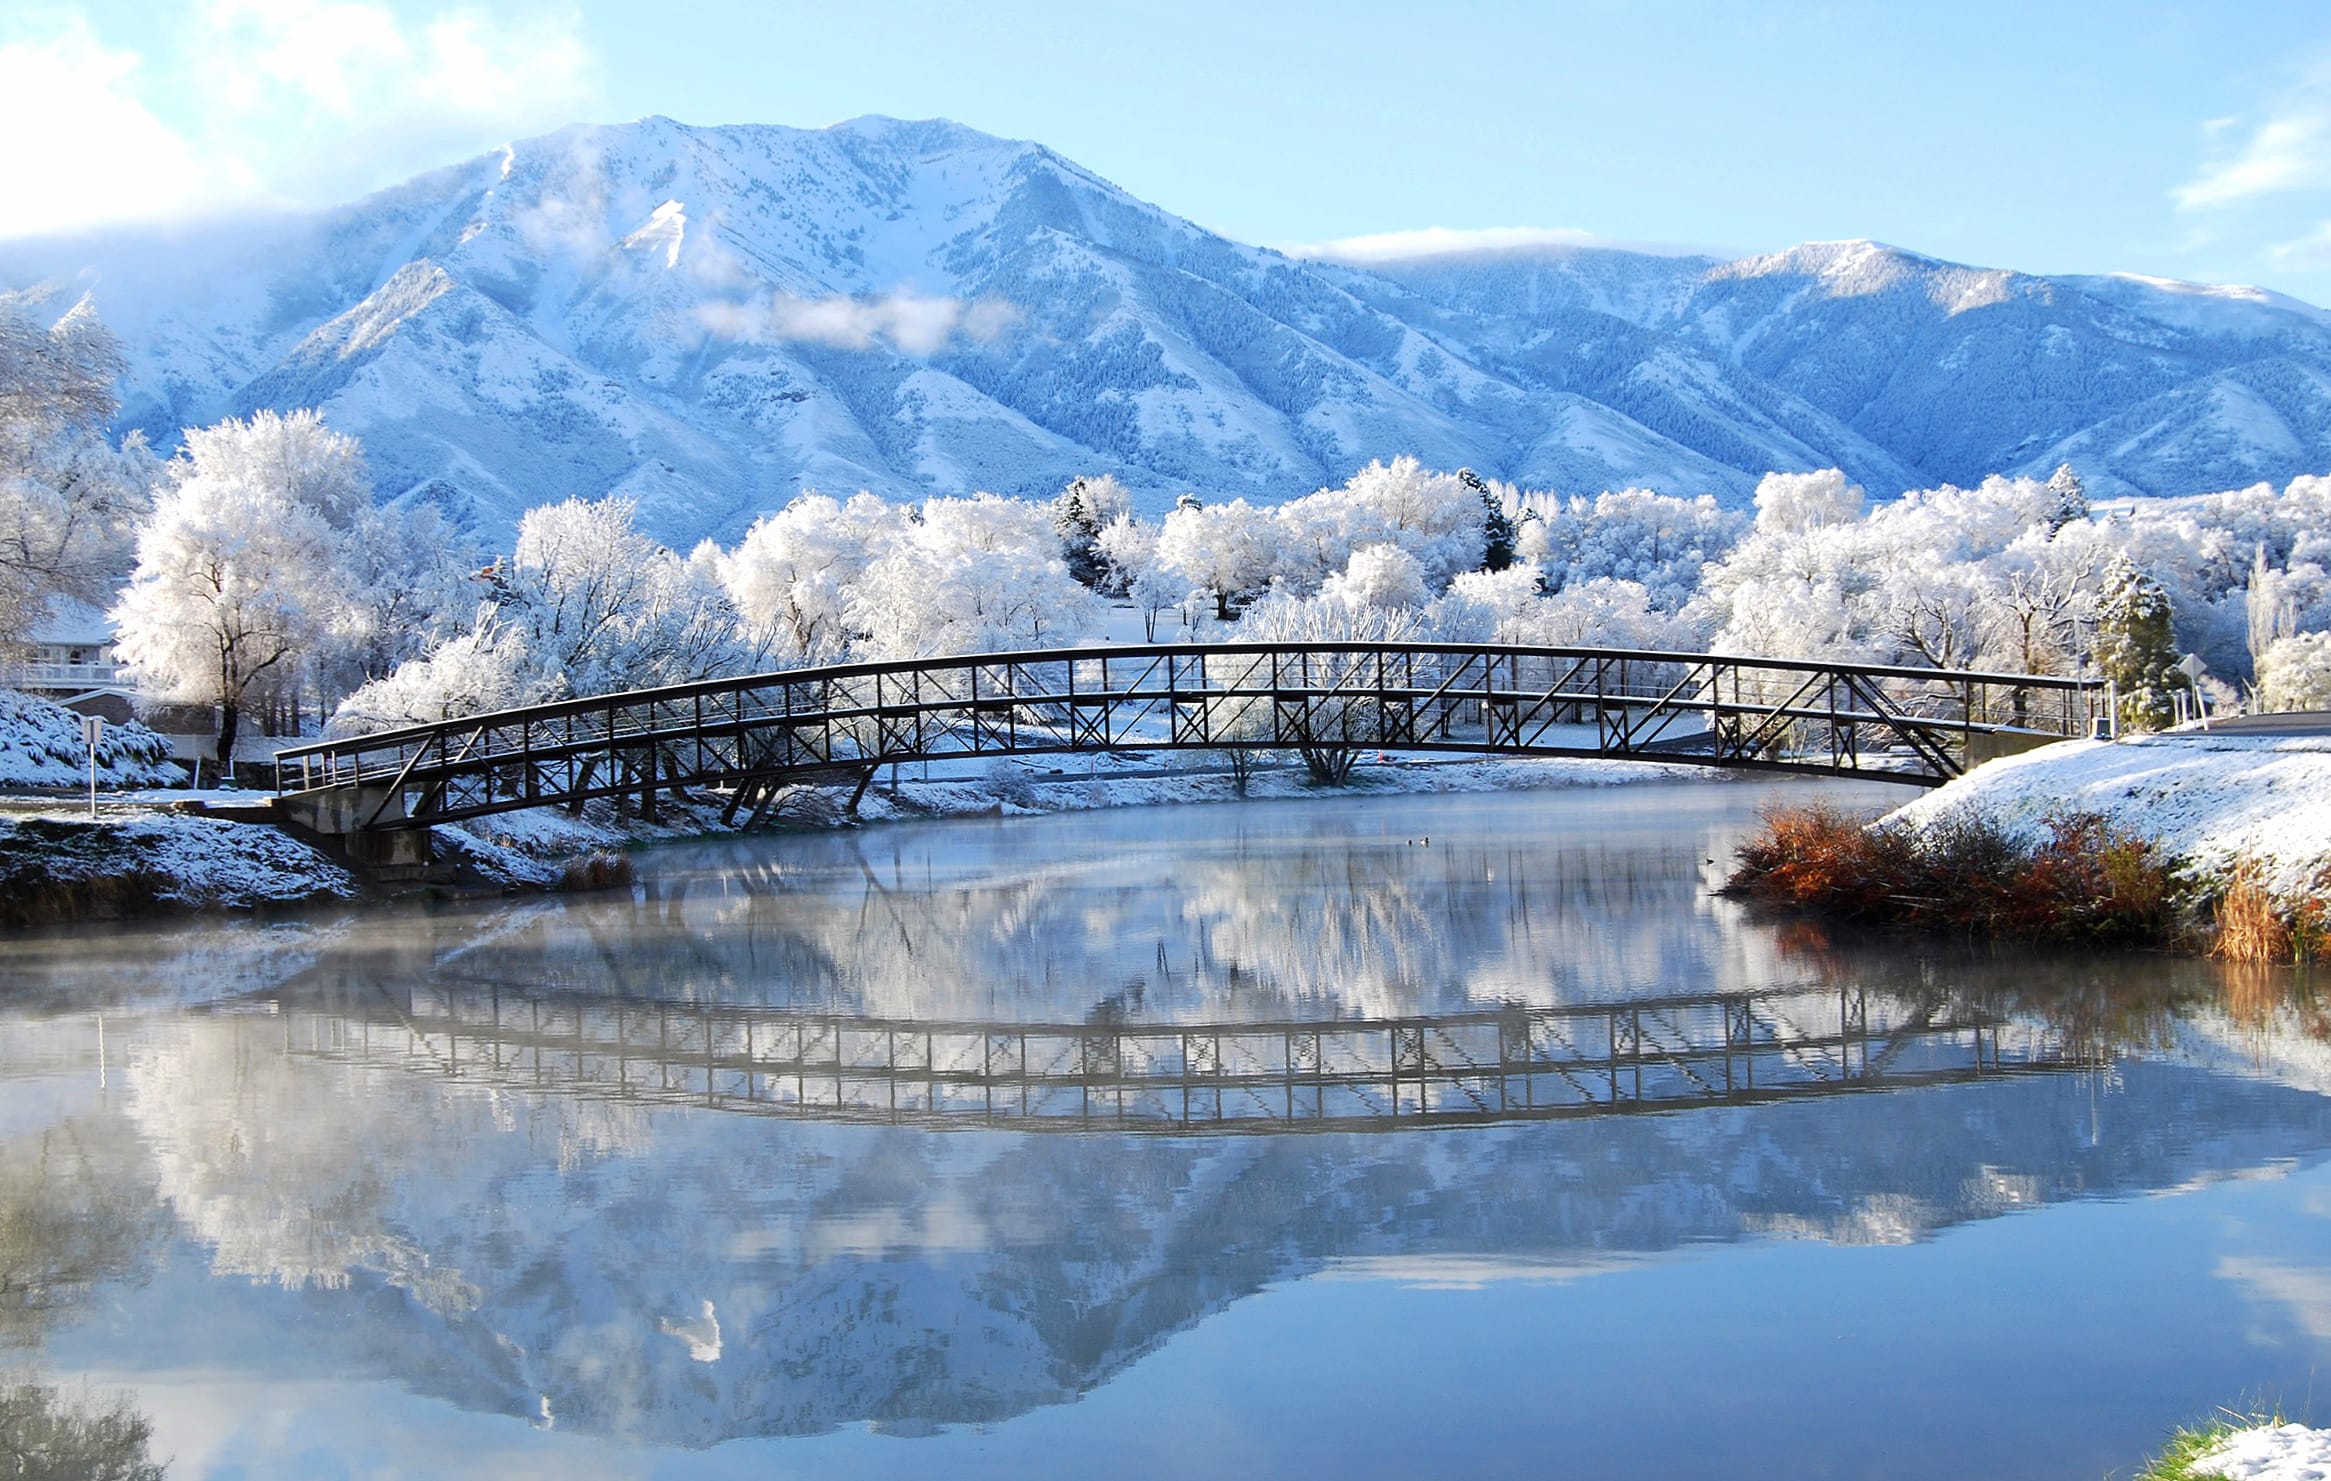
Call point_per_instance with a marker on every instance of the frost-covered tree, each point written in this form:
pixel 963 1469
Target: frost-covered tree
pixel 1379 576
pixel 1129 546
pixel 70 498
pixel 1487 606
pixel 1498 530
pixel 977 575
pixel 485 668
pixel 1602 613
pixel 2070 502
pixel 1329 729
pixel 2136 645
pixel 1630 535
pixel 792 574
pixel 601 607
pixel 238 584
pixel 1224 550
pixel 406 581
pixel 1804 501
pixel 1436 517
pixel 2294 673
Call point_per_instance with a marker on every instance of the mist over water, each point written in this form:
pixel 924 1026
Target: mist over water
pixel 986 1145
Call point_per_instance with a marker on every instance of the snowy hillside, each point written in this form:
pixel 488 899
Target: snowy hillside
pixel 714 318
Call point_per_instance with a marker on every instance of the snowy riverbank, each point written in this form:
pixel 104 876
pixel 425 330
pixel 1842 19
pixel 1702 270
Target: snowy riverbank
pixel 2267 1452
pixel 58 869
pixel 2207 799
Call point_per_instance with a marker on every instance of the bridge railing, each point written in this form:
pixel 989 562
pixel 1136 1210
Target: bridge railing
pixel 1510 699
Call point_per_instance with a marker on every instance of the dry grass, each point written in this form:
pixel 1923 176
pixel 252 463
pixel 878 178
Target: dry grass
pixel 595 871
pixel 2250 926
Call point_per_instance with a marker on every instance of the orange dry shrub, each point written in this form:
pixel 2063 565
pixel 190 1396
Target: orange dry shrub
pixel 1818 859
pixel 2091 881
pixel 2087 881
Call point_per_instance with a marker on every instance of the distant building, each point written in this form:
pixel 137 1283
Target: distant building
pixel 68 657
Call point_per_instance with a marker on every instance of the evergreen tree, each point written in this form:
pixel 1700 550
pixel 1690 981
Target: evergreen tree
pixel 2136 645
pixel 2071 506
pixel 1080 534
pixel 1497 528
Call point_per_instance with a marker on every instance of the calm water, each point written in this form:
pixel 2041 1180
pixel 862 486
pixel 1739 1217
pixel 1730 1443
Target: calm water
pixel 1228 1140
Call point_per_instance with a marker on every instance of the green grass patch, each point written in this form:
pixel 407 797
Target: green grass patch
pixel 2188 1443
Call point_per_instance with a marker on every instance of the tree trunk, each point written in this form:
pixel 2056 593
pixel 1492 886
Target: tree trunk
pixel 229 720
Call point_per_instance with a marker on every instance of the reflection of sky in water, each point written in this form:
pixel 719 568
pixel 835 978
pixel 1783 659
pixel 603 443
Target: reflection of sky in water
pixel 304 1266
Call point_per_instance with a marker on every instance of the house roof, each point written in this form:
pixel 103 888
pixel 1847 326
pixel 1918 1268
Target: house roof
pixel 71 623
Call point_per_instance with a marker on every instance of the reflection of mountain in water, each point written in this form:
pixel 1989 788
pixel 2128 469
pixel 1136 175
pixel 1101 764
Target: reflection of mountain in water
pixel 356 1190
pixel 686 1277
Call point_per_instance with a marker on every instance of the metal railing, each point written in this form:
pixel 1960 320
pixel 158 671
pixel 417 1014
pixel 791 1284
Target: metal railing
pixel 756 733
pixel 46 674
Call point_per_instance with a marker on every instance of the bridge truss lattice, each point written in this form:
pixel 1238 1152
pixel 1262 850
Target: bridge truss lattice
pixel 1328 701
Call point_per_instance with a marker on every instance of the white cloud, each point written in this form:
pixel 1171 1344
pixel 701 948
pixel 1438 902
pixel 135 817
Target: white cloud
pixel 2310 251
pixel 85 149
pixel 2301 1292
pixel 271 101
pixel 2289 150
pixel 916 323
pixel 1443 241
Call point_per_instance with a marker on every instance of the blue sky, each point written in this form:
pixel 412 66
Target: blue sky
pixel 2182 140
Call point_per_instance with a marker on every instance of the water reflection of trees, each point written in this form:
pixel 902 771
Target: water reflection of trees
pixel 50 1435
pixel 1374 926
pixel 76 1204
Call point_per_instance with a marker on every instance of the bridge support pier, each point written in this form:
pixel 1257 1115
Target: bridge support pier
pixel 338 819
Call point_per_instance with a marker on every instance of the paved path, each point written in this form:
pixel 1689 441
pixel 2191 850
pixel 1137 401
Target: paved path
pixel 2298 722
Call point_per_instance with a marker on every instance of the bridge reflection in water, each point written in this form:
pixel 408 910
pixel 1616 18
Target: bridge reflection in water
pixel 1492 1065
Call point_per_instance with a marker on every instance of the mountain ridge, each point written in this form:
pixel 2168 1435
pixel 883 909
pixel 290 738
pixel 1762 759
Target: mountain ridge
pixel 713 318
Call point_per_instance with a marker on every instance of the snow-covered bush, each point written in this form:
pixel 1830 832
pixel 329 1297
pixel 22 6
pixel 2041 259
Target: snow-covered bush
pixel 487 668
pixel 40 746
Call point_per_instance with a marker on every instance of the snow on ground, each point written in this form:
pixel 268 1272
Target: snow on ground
pixel 197 863
pixel 40 746
pixel 2281 1452
pixel 2209 799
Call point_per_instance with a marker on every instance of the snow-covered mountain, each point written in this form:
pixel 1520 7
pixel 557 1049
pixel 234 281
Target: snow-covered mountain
pixel 713 318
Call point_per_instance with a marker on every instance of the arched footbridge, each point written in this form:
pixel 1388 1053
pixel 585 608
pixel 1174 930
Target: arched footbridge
pixel 1331 702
